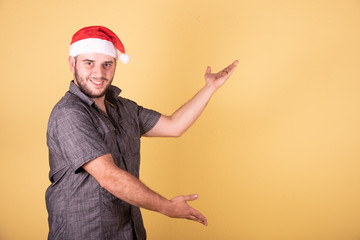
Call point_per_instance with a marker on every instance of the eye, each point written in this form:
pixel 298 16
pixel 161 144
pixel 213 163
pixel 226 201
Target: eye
pixel 107 65
pixel 88 63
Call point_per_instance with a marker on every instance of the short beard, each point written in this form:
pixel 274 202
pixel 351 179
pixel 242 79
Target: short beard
pixel 80 81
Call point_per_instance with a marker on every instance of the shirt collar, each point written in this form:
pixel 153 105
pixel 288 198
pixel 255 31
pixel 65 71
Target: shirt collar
pixel 111 95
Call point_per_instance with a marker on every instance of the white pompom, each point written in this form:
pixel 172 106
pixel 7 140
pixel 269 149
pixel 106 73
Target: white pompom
pixel 124 58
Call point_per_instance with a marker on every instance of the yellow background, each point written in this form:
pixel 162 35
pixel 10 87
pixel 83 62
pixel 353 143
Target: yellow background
pixel 274 156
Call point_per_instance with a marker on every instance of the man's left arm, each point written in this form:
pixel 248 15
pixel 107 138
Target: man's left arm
pixel 176 124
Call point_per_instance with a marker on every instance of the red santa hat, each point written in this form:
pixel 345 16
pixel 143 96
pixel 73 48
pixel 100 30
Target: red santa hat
pixel 97 39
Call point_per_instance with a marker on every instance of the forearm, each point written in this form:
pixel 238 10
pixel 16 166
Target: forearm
pixel 177 123
pixel 124 185
pixel 187 114
pixel 130 189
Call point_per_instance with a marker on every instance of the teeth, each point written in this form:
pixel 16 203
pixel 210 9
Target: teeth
pixel 96 82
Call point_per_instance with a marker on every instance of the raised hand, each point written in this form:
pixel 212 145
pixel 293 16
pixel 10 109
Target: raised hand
pixel 216 80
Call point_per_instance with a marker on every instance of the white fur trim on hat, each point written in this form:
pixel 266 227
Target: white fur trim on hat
pixel 93 45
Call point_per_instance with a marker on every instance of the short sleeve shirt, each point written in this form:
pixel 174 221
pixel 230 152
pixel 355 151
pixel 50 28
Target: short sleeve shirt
pixel 78 132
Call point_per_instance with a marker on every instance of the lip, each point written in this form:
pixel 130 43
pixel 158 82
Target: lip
pixel 98 83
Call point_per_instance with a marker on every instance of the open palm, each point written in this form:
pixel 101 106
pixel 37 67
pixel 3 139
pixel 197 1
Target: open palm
pixel 219 78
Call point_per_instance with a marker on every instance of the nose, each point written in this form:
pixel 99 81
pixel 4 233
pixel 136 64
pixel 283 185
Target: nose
pixel 97 71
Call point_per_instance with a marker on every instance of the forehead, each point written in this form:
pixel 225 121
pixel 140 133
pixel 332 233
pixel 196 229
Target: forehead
pixel 97 57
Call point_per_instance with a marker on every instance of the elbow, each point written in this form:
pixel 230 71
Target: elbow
pixel 113 186
pixel 171 126
pixel 105 183
pixel 177 133
pixel 175 128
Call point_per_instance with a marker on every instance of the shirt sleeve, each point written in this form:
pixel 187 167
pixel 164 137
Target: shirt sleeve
pixel 148 119
pixel 76 135
pixel 145 118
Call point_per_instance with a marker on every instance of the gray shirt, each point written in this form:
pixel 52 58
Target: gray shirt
pixel 78 132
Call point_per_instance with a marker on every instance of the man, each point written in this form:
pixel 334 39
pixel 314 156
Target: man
pixel 94 139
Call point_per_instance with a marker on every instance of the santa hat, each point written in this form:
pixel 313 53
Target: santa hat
pixel 97 39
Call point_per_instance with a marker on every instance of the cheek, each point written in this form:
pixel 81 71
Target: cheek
pixel 83 72
pixel 110 73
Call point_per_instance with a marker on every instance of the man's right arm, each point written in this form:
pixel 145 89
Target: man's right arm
pixel 176 124
pixel 125 186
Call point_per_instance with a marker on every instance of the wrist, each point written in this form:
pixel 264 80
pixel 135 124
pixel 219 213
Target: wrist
pixel 164 206
pixel 210 88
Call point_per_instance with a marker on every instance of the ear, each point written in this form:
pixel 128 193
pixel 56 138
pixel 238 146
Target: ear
pixel 72 64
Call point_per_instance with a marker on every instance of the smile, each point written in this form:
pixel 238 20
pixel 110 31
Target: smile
pixel 97 82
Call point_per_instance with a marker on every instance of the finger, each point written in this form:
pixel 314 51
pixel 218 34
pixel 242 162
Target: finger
pixel 231 67
pixel 190 197
pixel 198 216
pixel 228 70
pixel 196 219
pixel 224 72
pixel 234 64
pixel 208 70
pixel 193 218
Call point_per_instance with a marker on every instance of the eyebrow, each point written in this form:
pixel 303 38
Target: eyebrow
pixel 90 60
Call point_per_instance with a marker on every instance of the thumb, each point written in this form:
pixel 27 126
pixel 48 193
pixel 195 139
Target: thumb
pixel 208 70
pixel 191 197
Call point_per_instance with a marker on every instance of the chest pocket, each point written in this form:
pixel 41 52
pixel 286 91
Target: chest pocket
pixel 131 130
pixel 107 131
